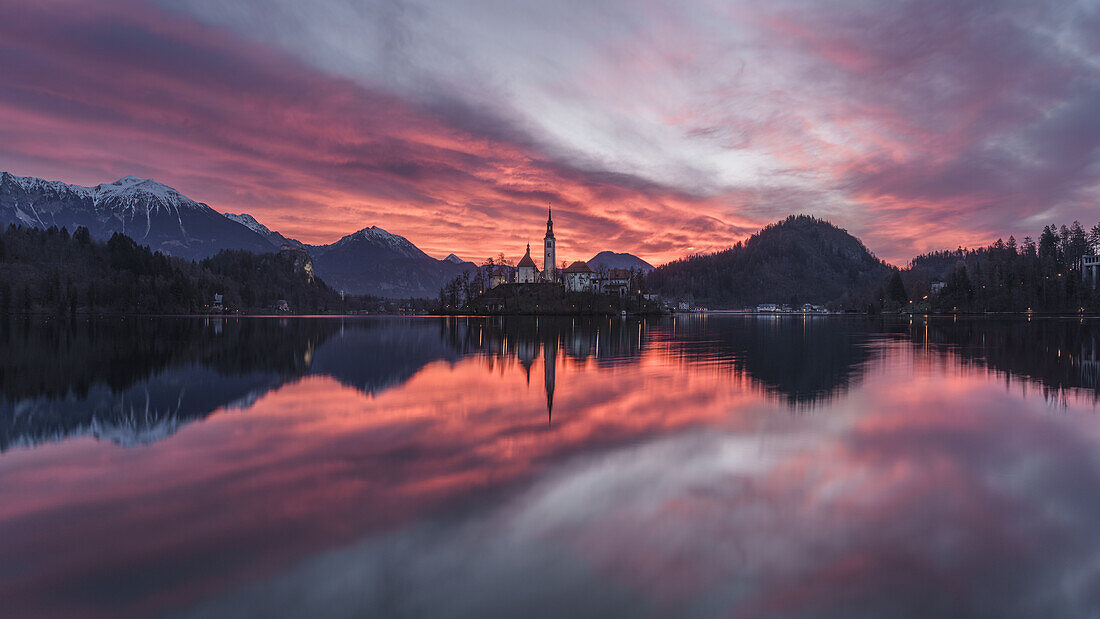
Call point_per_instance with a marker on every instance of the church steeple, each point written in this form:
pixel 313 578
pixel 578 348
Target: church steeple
pixel 549 254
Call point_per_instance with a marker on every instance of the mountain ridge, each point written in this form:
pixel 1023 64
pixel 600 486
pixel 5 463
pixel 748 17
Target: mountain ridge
pixel 149 212
pixel 369 261
pixel 276 238
pixel 374 261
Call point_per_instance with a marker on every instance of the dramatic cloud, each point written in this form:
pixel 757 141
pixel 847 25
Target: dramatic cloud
pixel 654 127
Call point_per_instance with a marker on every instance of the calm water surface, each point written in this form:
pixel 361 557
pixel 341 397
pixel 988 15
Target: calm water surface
pixel 698 466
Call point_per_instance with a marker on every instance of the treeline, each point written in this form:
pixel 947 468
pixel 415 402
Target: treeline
pixel 51 271
pixel 1007 276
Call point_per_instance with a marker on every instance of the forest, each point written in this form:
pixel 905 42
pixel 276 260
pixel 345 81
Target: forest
pixel 804 259
pixel 54 272
pixel 800 259
pixel 1007 276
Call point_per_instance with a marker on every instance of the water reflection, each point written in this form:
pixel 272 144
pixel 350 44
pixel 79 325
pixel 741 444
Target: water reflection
pixel 804 360
pixel 479 467
pixel 1055 354
pixel 136 381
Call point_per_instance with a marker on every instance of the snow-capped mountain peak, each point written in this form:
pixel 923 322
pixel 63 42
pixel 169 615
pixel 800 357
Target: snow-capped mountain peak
pixel 379 237
pixel 147 211
pixel 31 183
pixel 250 222
pixel 453 259
pixel 275 238
pixel 130 189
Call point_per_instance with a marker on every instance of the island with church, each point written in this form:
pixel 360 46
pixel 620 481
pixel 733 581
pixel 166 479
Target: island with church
pixel 497 287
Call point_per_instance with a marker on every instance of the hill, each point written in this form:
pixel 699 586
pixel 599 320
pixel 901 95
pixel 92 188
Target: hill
pixel 798 260
pixel 607 260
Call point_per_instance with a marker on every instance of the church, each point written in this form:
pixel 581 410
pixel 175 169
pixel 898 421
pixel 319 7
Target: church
pixel 577 277
pixel 527 272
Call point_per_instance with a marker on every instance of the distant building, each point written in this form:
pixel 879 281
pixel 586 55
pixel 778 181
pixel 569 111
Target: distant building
pixel 617 281
pixel 219 303
pixel 1090 270
pixel 282 306
pixel 526 271
pixel 579 277
pixel 937 287
pixel 497 275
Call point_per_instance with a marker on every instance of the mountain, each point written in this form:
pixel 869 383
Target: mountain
pixel 277 240
pixel 798 260
pixel 143 209
pixel 606 260
pixel 373 261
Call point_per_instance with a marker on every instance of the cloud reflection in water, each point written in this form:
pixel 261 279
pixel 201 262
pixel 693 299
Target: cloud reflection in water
pixel 407 467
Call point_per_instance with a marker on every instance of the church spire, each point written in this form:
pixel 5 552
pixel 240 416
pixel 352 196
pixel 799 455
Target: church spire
pixel 549 222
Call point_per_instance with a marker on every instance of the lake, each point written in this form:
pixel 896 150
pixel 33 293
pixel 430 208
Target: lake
pixel 690 466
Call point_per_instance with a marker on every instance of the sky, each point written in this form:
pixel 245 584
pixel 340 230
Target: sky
pixel 660 128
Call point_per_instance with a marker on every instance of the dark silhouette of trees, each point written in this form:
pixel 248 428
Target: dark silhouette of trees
pixel 801 258
pixel 49 271
pixel 895 290
pixel 1043 276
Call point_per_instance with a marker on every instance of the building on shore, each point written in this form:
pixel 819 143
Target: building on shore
pixel 498 275
pixel 1090 270
pixel 617 281
pixel 579 277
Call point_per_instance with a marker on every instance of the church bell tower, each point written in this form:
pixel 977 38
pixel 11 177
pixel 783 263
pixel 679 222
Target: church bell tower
pixel 548 253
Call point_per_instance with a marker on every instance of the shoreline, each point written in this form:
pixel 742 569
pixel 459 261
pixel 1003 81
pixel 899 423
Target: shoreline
pixel 561 315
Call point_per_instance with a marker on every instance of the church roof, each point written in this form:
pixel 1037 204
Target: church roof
pixel 526 260
pixel 579 266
